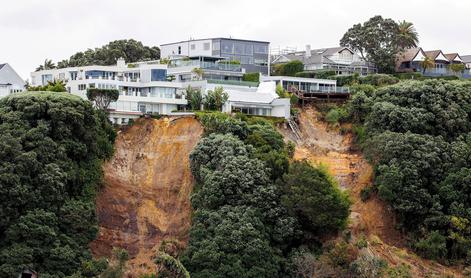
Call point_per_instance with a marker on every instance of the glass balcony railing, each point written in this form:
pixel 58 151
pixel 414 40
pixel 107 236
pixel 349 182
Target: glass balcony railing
pixel 207 65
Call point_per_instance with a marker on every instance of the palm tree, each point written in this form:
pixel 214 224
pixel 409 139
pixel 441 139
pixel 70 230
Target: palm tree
pixel 427 63
pixel 408 36
pixel 48 64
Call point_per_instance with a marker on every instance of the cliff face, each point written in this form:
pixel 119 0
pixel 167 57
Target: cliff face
pixel 147 187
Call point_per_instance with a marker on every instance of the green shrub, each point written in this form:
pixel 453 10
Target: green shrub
pixel 336 115
pixel 251 77
pixel 433 246
pixel 346 80
pixel 379 79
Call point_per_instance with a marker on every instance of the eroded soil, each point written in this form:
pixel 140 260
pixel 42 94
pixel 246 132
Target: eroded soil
pixel 372 219
pixel 146 193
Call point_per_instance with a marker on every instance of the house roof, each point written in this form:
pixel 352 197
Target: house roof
pixel 317 55
pixel 1 66
pixel 451 56
pixel 432 54
pixel 466 58
pixel 409 55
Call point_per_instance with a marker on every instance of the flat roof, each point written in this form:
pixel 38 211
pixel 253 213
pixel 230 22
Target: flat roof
pixel 220 38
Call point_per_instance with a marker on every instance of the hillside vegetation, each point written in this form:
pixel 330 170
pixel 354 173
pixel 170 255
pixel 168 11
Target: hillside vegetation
pixel 417 136
pixel 51 149
pixel 256 213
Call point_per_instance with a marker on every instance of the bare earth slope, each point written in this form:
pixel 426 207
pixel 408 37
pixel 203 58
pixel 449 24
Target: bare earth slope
pixel 372 219
pixel 146 196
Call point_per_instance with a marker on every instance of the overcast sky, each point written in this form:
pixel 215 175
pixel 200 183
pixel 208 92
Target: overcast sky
pixel 32 30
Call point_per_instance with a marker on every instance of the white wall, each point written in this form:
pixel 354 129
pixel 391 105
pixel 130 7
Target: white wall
pixel 9 76
pixel 172 49
pixel 281 108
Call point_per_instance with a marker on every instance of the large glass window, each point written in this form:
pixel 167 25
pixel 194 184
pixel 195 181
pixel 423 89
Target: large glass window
pixel 249 49
pixel 216 45
pixel 261 49
pixel 158 75
pixel 227 47
pixel 238 48
pixel 246 60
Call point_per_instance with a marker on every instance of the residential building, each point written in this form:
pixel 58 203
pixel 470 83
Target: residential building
pixel 152 87
pixel 10 81
pixel 342 60
pixel 143 87
pixel 252 55
pixel 211 68
pixel 262 100
pixel 411 60
pixel 467 61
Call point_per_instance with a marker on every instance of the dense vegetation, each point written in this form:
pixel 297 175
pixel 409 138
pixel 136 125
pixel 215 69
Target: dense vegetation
pixel 131 50
pixel 379 40
pixel 51 149
pixel 417 135
pixel 252 217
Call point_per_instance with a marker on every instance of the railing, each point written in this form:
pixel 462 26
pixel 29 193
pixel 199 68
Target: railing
pixel 207 65
pixel 233 82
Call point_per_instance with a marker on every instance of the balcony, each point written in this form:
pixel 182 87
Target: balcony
pixel 207 65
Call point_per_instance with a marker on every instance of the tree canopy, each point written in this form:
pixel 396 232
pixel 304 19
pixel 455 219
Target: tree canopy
pixel 418 138
pixel 131 50
pixel 51 148
pixel 379 40
pixel 102 97
pixel 241 225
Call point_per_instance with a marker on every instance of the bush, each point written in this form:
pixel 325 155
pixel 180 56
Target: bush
pixel 379 79
pixel 251 77
pixel 433 246
pixel 346 80
pixel 309 194
pixel 51 149
pixel 336 115
pixel 288 69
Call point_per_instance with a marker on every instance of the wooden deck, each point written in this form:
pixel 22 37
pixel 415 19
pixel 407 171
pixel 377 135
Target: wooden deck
pixel 320 96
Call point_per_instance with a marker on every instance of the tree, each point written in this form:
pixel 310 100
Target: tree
pixel 102 97
pixel 194 98
pixel 51 148
pixel 198 72
pixel 314 200
pixel 48 64
pixel 457 68
pixel 408 36
pixel 427 63
pixel 215 99
pixel 131 50
pixel 289 69
pixel 377 41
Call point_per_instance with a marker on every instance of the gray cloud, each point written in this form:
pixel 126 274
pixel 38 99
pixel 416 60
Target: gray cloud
pixel 33 30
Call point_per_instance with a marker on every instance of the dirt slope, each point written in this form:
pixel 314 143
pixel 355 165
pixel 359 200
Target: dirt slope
pixel 147 187
pixel 372 219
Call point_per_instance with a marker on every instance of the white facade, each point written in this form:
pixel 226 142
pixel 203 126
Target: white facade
pixel 187 48
pixel 10 81
pixel 143 87
pixel 262 100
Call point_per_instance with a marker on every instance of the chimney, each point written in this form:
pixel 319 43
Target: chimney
pixel 121 63
pixel 308 51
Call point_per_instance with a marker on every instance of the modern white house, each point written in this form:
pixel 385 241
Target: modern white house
pixel 143 87
pixel 10 81
pixel 252 55
pixel 342 60
pixel 152 87
pixel 262 100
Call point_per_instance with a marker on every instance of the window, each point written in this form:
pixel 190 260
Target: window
pixel 91 85
pixel 142 108
pixel 261 49
pixel 246 60
pixel 206 46
pixel 249 49
pixel 82 87
pixel 179 50
pixel 227 47
pixel 261 62
pixel 238 48
pixel 217 46
pixel 158 75
pixel 193 47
